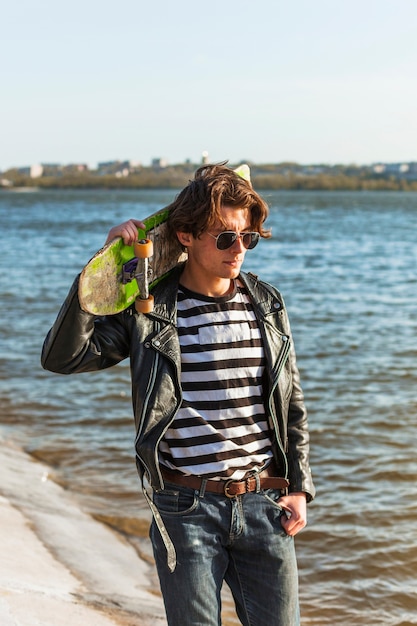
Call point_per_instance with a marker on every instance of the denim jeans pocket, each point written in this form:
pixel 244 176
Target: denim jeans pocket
pixel 175 500
pixel 273 495
pixel 277 512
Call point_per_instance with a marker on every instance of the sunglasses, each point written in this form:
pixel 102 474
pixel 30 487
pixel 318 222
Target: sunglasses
pixel 227 238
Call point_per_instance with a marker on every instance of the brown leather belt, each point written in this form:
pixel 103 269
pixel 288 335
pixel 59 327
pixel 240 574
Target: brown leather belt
pixel 229 488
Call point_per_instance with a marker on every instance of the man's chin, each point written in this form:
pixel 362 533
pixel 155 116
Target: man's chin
pixel 233 271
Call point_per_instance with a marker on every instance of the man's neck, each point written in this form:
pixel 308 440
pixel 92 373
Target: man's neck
pixel 214 289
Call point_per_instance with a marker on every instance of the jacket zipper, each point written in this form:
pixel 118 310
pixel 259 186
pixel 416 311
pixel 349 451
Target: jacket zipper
pixel 151 384
pixel 283 359
pixel 161 480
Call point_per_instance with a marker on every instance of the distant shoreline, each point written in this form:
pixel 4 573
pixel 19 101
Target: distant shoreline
pixel 283 176
pixel 270 183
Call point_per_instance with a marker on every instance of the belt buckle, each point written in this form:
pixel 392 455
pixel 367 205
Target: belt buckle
pixel 228 482
pixel 226 488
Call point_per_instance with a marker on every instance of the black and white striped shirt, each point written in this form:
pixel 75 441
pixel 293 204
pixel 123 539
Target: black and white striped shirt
pixel 221 429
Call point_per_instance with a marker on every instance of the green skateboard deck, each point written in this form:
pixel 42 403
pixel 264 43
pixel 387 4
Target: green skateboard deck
pixel 108 283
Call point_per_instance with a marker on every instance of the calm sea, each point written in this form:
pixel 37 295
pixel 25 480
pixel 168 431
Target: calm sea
pixel 346 264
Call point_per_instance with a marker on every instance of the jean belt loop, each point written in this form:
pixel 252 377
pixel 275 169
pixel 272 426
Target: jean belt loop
pixel 258 483
pixel 203 487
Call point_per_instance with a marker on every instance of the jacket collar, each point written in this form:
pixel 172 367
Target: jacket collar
pixel 165 296
pixel 265 299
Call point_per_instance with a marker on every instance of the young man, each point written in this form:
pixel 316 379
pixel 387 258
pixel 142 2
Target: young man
pixel 222 435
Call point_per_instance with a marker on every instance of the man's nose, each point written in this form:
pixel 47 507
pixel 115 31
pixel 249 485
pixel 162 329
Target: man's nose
pixel 238 244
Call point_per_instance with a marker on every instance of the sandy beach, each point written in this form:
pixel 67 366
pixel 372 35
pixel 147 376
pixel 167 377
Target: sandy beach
pixel 60 567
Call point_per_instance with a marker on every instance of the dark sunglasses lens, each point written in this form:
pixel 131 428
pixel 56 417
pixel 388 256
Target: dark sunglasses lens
pixel 225 240
pixel 250 240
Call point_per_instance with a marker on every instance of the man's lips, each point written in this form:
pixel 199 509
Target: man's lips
pixel 234 262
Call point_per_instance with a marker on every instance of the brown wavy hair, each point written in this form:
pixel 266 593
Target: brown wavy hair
pixel 197 207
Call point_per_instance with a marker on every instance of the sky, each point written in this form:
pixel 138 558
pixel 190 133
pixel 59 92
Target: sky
pixel 310 81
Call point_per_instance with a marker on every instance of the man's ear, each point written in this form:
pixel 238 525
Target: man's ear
pixel 185 239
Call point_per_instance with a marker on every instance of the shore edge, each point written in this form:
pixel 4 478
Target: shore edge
pixel 57 560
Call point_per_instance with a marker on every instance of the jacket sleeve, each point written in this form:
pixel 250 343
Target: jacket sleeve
pixel 81 342
pixel 298 437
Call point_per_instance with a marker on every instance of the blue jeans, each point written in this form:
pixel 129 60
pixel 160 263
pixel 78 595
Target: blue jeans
pixel 239 540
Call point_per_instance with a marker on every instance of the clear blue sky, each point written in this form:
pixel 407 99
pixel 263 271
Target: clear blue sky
pixel 312 81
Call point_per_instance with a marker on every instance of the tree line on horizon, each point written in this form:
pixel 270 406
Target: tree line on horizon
pixel 282 177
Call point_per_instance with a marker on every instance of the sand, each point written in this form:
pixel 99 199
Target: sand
pixel 60 567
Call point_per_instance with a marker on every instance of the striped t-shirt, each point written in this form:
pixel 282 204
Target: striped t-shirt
pixel 220 430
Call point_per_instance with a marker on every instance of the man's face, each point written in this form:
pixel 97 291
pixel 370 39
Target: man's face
pixel 210 266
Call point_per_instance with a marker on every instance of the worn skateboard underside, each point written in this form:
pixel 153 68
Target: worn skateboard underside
pixel 101 288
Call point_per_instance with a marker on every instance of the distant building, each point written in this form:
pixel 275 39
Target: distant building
pixel 36 171
pixel 378 168
pixel 75 167
pixel 24 170
pixel 118 168
pixel 45 169
pixel 111 167
pixel 413 169
pixel 396 168
pixel 123 173
pixel 393 169
pixel 159 163
pixel 51 169
pixel 106 164
pixel 205 158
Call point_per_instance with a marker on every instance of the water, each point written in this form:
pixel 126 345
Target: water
pixel 346 264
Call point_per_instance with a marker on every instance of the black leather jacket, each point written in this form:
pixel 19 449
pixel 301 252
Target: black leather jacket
pixel 81 342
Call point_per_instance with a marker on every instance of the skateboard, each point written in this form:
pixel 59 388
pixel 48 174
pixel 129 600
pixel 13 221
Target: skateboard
pixel 119 275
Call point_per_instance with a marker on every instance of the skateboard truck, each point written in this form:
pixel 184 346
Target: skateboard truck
pixel 143 251
pixel 130 271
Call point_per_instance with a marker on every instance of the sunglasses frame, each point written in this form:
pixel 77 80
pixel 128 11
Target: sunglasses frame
pixel 236 237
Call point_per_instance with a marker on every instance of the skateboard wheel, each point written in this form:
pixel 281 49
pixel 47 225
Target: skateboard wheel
pixel 143 248
pixel 144 306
